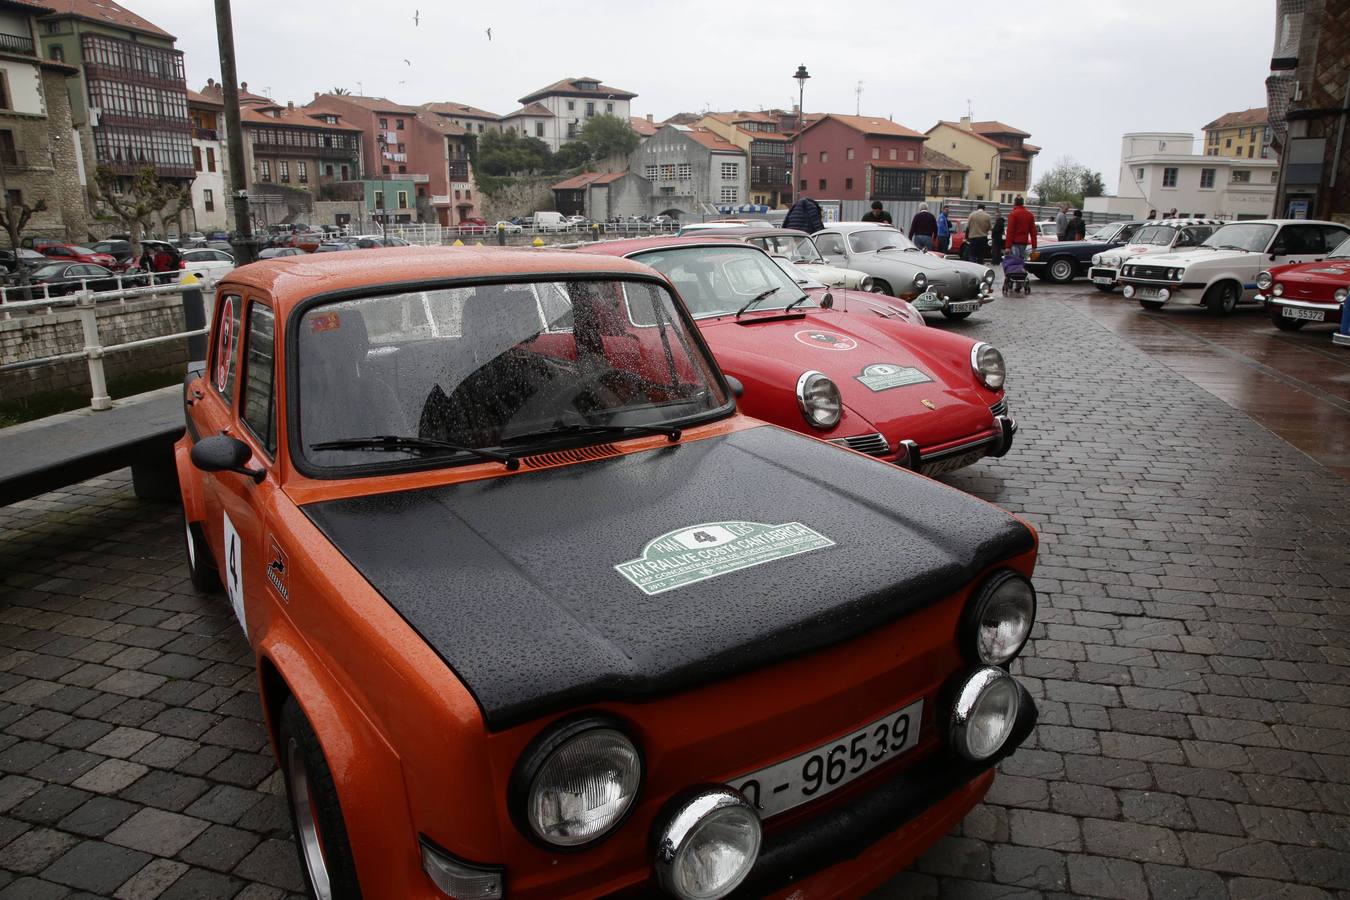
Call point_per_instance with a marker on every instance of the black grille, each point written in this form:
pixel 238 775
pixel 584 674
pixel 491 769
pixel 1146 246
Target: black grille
pixel 871 444
pixel 1149 272
pixel 1000 408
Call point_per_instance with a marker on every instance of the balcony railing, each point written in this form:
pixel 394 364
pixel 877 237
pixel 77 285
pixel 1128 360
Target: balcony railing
pixel 14 43
pixel 204 134
pixel 459 169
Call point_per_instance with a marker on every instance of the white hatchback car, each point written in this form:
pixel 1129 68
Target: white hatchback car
pixel 208 265
pixel 1153 237
pixel 1221 272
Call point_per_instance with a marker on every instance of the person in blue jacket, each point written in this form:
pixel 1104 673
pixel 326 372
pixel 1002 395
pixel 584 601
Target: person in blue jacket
pixel 944 230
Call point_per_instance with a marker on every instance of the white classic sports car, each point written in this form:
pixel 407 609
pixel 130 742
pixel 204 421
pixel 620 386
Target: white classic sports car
pixel 1153 237
pixel 1222 271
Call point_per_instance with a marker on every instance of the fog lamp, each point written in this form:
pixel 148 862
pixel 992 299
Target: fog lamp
pixel 708 845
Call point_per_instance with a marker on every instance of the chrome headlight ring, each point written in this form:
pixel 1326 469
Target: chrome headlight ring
pixel 988 365
pixel 819 400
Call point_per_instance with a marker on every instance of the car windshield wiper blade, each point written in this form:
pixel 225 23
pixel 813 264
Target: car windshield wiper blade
pixel 670 433
pixel 755 299
pixel 802 299
pixel 408 442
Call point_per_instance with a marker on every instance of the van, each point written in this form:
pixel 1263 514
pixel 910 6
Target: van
pixel 549 221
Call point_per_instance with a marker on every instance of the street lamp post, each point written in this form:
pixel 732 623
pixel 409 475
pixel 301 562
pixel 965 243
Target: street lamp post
pixel 801 77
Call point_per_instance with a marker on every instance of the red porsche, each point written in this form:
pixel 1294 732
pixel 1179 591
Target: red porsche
pixel 832 365
pixel 1307 292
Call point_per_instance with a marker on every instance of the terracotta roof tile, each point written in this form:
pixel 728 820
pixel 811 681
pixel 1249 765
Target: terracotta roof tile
pixel 532 109
pixel 106 12
pixel 957 125
pixel 643 127
pixel 996 127
pixel 202 100
pixel 709 139
pixel 569 86
pixel 609 178
pixel 868 125
pixel 440 123
pixel 935 160
pixel 575 182
pixel 296 117
pixel 449 108
pixel 1256 116
pixel 374 104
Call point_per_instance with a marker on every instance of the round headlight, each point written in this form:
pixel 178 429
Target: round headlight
pixel 920 281
pixel 1340 295
pixel 818 398
pixel 579 782
pixel 989 276
pixel 709 844
pixel 988 365
pixel 1096 259
pixel 1278 290
pixel 997 621
pixel 984 714
pixel 867 284
pixel 1264 281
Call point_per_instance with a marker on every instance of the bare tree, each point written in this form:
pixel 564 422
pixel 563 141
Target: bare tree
pixel 14 217
pixel 135 207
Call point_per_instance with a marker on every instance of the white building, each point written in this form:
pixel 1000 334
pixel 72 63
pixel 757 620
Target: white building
pixel 210 187
pixel 557 113
pixel 1161 171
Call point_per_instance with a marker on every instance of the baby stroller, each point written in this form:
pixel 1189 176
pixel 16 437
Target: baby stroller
pixel 1015 279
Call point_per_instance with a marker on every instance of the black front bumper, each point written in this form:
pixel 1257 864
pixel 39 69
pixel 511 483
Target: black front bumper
pixel 846 832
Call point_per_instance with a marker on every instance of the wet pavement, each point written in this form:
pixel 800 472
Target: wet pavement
pixel 1190 659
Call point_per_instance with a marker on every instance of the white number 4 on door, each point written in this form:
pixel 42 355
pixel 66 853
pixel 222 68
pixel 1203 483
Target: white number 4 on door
pixel 234 572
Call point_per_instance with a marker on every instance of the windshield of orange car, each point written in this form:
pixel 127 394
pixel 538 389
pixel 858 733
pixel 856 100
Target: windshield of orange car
pixel 485 366
pixel 874 239
pixel 719 281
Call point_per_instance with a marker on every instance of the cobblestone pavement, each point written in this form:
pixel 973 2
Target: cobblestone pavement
pixel 1190 662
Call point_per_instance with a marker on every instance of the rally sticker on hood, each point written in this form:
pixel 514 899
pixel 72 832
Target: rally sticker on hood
pixel 690 555
pixel 826 340
pixel 884 376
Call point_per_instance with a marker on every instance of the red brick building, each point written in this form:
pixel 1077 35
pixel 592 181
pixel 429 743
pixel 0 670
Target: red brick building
pixel 859 158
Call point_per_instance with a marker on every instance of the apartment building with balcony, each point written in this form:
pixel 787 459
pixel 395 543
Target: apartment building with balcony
pixel 453 195
pixel 759 134
pixel 557 113
pixel 127 93
pixel 999 156
pixel 1244 134
pixel 843 157
pixel 39 149
pixel 210 189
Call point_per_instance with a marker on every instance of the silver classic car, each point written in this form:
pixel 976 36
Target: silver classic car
pixel 928 281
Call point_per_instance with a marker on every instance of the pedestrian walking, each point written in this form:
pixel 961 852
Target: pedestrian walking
pixel 1021 228
pixel 1062 221
pixel 996 237
pixel 804 216
pixel 877 214
pixel 923 230
pixel 978 226
pixel 1077 229
pixel 944 230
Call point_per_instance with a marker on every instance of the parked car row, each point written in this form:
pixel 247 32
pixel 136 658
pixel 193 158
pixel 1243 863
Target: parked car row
pixel 508 536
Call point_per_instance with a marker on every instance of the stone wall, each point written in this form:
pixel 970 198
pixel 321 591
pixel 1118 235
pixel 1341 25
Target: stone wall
pixel 31 337
pixel 520 198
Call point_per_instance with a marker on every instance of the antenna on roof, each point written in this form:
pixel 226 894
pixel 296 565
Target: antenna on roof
pixel 857 109
pixel 969 114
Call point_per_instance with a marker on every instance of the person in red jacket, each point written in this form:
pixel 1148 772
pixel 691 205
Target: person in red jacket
pixel 1021 229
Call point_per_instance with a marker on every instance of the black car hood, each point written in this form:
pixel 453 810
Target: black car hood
pixel 513 580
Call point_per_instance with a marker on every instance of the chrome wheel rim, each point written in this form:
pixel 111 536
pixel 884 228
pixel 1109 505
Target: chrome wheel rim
pixel 307 827
pixel 1061 270
pixel 1230 300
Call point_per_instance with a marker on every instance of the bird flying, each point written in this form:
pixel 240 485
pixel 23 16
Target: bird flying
pixel 417 17
pixel 489 33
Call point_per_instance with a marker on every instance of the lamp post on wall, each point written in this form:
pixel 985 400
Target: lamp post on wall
pixel 801 77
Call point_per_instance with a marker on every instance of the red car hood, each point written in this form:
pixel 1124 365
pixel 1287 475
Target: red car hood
pixel 1313 280
pixel 885 369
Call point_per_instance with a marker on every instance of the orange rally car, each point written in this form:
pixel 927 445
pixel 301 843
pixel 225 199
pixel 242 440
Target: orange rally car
pixel 536 613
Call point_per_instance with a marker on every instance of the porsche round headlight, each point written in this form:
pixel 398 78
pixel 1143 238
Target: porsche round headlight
pixel 708 844
pixel 818 398
pixel 1264 281
pixel 984 714
pixel 1278 290
pixel 998 618
pixel 988 276
pixel 867 284
pixel 988 365
pixel 576 783
pixel 920 281
pixel 1340 295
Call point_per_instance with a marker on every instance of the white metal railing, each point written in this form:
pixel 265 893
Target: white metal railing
pixel 426 234
pixel 86 304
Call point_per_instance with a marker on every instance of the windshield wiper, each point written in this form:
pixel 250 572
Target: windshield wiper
pixel 670 433
pixel 755 299
pixel 802 299
pixel 407 442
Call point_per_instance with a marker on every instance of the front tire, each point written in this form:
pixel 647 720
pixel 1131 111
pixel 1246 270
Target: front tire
pixel 204 577
pixel 1221 299
pixel 1286 324
pixel 1105 288
pixel 316 815
pixel 882 287
pixel 1060 270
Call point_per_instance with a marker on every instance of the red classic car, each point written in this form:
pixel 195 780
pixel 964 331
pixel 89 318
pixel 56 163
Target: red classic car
pixel 1300 293
pixel 72 253
pixel 854 372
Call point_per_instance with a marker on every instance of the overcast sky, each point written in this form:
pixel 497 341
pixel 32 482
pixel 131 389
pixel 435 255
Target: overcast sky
pixel 1076 74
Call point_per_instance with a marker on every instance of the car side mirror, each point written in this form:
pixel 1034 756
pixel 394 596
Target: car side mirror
pixel 827 301
pixel 735 384
pixel 222 453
